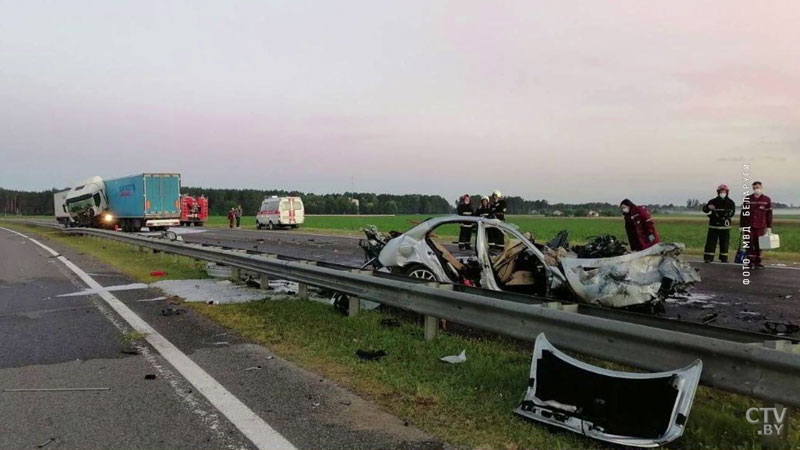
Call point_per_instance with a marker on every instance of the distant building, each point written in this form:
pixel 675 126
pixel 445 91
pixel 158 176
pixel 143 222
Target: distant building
pixel 558 213
pixel 593 214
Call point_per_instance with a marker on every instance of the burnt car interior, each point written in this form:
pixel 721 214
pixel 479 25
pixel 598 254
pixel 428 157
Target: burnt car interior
pixel 458 270
pixel 515 267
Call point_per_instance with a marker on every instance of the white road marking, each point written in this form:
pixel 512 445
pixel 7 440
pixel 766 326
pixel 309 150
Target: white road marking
pixel 123 287
pixel 242 417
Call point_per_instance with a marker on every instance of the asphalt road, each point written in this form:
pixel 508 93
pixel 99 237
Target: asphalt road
pixel 141 399
pixel 772 295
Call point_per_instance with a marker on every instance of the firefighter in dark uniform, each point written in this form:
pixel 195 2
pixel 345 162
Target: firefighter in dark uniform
pixel 720 210
pixel 465 236
pixel 498 205
pixel 484 209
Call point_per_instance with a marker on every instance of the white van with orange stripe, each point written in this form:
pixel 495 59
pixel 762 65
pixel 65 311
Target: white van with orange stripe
pixel 280 212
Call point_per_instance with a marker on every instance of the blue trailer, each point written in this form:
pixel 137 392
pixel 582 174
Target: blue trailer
pixel 145 200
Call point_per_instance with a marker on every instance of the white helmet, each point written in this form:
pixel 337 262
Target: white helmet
pixel 497 193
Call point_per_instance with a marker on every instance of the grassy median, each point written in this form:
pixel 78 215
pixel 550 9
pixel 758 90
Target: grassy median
pixel 467 405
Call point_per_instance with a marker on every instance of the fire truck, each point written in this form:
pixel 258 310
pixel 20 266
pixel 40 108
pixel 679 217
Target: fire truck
pixel 194 210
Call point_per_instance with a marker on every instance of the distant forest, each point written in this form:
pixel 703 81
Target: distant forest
pixel 222 200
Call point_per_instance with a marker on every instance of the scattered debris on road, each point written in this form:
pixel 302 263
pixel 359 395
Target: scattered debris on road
pixel 370 355
pixel 253 368
pixel 46 443
pixel 455 359
pixel 390 323
pixel 710 317
pixel 150 376
pixel 630 409
pixel 172 311
pixel 781 328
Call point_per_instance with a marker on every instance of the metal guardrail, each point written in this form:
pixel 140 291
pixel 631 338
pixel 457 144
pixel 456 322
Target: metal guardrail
pixel 747 368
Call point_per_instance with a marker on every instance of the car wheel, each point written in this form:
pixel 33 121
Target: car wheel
pixel 421 272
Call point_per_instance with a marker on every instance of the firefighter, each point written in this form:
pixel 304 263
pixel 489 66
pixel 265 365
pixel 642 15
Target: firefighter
pixel 498 205
pixel 639 225
pixel 756 214
pixel 465 236
pixel 720 210
pixel 484 209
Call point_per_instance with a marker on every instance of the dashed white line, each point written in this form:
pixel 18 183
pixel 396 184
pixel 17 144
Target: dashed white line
pixel 242 417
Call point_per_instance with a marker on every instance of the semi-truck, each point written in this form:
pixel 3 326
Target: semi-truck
pixel 149 200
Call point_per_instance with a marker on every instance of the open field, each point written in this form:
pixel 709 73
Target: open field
pixel 690 230
pixel 469 405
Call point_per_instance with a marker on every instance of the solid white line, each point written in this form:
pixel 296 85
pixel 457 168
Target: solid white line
pixel 242 417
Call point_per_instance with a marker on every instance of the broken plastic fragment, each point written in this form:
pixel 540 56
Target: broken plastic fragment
pixel 455 359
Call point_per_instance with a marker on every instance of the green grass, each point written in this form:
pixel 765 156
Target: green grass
pixel 467 405
pixel 126 258
pixel 690 230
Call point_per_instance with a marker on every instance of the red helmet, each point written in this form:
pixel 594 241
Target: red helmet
pixel 723 187
pixel 465 196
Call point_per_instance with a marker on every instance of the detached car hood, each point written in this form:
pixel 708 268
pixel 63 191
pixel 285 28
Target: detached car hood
pixel 630 279
pixel 634 409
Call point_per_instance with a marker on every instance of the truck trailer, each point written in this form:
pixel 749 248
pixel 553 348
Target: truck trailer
pixel 149 200
pixel 60 207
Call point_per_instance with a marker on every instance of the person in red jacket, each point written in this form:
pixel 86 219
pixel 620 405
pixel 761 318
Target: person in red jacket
pixel 756 214
pixel 639 225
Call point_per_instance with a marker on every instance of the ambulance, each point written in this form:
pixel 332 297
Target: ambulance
pixel 280 212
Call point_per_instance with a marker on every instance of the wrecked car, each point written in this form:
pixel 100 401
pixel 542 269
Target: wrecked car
pixel 646 277
pixel 632 409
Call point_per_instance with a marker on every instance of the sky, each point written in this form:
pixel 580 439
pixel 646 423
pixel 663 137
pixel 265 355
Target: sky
pixel 572 101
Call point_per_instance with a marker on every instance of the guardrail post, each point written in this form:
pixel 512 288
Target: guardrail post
pixel 431 327
pixel 235 274
pixel 264 281
pixel 771 436
pixel 302 291
pixel 354 306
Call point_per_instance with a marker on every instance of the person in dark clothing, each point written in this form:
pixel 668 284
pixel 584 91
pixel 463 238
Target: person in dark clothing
pixel 465 235
pixel 484 209
pixel 757 215
pixel 720 210
pixel 498 206
pixel 639 225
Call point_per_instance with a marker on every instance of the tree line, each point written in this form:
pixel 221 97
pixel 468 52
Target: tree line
pixel 222 200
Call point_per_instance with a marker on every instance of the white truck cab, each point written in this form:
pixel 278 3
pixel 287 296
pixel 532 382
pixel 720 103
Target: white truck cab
pixel 280 212
pixel 86 203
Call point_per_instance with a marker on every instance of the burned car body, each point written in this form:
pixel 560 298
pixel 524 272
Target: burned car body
pixel 520 265
pixel 633 409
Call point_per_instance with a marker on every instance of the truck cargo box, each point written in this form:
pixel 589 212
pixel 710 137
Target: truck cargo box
pixel 153 198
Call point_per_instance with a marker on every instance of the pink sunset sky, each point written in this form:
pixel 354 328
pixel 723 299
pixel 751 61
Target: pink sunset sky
pixel 571 101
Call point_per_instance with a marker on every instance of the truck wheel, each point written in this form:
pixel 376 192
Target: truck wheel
pixel 258 225
pixel 270 226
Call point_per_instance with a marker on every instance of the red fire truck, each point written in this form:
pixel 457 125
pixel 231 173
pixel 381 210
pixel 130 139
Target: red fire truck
pixel 194 210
